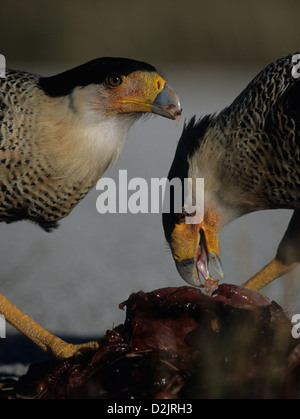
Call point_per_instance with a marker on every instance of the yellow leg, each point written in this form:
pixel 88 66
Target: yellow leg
pixel 267 274
pixel 52 345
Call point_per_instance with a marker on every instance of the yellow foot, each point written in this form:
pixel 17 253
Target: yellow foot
pixel 52 345
pixel 267 274
pixel 62 350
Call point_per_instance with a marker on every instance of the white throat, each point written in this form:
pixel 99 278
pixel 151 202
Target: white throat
pixel 97 146
pixel 83 145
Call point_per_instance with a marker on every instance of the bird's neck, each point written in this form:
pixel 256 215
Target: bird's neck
pixel 219 194
pixel 82 148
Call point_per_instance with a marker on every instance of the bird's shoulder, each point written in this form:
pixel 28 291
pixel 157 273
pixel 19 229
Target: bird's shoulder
pixel 17 89
pixel 16 81
pixel 275 85
pixel 19 94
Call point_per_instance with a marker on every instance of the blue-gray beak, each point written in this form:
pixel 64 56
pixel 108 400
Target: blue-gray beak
pixel 167 103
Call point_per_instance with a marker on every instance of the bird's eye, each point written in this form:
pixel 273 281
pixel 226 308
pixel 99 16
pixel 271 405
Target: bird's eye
pixel 114 80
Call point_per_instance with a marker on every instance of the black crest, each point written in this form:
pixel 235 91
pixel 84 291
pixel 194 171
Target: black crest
pixel 94 71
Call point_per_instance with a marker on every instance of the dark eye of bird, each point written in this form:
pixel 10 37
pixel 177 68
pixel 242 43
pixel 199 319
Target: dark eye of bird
pixel 114 80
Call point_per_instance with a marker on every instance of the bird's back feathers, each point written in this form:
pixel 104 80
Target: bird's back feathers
pixel 252 147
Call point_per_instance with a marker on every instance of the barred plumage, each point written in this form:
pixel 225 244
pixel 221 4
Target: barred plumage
pixel 58 135
pixel 249 157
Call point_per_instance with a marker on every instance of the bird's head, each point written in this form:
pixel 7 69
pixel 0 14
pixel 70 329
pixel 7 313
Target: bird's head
pixel 194 246
pixel 192 235
pixel 114 86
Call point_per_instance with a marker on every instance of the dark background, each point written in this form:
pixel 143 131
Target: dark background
pixel 168 31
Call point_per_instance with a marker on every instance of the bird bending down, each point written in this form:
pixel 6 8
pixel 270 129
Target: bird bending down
pixel 249 157
pixel 58 135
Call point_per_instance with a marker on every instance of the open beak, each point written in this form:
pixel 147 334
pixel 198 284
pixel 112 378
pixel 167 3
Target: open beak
pixel 195 249
pixel 167 103
pixel 189 270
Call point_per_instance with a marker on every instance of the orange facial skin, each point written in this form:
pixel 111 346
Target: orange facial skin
pixel 185 237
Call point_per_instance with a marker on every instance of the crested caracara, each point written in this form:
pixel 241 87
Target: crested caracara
pixel 58 135
pixel 249 157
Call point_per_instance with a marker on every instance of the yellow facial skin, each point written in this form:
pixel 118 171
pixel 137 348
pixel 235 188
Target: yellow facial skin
pixel 184 241
pixel 185 237
pixel 138 92
pixel 188 244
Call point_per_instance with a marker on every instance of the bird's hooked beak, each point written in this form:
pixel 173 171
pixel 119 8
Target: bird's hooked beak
pixel 194 247
pixel 167 103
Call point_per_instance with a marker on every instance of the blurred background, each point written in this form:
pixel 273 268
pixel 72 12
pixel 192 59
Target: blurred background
pixel 71 281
